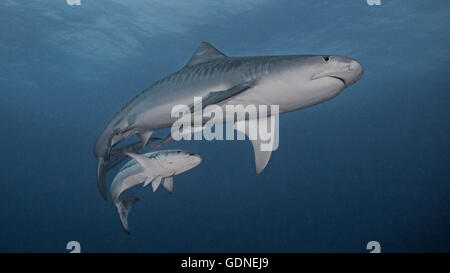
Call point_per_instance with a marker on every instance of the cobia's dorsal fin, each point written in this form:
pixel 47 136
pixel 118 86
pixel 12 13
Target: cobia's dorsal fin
pixel 204 53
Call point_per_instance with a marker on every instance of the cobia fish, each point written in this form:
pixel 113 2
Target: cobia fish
pixel 156 168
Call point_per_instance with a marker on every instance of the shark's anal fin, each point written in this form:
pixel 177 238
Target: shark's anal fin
pixel 123 208
pixel 261 157
pixel 168 184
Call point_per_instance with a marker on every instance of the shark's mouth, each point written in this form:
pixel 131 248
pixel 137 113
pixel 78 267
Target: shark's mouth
pixel 338 78
pixel 321 76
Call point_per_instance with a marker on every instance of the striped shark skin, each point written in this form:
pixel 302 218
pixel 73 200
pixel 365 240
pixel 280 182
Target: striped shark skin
pixel 292 82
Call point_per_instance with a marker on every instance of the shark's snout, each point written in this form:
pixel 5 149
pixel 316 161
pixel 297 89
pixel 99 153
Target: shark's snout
pixel 355 72
pixel 345 69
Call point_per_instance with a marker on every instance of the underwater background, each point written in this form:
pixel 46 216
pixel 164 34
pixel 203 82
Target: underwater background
pixel 370 164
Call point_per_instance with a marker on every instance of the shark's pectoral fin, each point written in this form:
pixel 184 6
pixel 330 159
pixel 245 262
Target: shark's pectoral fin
pixel 262 156
pixel 168 184
pixel 156 182
pixel 217 97
pixel 123 208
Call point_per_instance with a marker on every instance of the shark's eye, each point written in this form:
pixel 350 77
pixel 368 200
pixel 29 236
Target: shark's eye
pixel 326 58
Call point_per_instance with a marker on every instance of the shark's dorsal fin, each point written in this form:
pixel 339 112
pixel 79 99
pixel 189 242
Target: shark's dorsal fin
pixel 204 53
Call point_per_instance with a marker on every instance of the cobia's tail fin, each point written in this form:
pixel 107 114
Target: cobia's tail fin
pixel 124 206
pixel 101 178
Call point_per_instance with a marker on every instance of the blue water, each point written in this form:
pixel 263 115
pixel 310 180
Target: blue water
pixel 371 164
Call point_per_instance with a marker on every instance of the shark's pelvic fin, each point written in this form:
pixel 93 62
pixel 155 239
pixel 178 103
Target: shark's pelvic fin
pixel 261 157
pixel 155 183
pixel 204 53
pixel 123 208
pixel 168 184
pixel 145 136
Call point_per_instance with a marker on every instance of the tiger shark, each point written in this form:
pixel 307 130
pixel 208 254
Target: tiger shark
pixel 290 81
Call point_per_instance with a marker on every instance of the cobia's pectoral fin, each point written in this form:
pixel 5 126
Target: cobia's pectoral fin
pixel 262 157
pixel 123 208
pixel 147 163
pixel 155 183
pixel 101 178
pixel 168 184
pixel 148 181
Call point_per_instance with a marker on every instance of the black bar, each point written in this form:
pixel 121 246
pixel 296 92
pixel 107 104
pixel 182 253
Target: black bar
pixel 223 262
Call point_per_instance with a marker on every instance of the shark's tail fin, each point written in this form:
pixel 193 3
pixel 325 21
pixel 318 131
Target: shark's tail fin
pixel 101 178
pixel 123 208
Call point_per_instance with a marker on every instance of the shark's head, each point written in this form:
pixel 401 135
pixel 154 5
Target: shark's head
pixel 179 161
pixel 343 69
pixel 326 76
pixel 310 79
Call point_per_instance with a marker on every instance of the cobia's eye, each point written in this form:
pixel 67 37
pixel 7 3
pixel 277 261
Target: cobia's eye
pixel 326 58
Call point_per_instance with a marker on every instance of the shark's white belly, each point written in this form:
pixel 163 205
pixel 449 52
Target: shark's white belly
pixel 286 92
pixel 289 95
